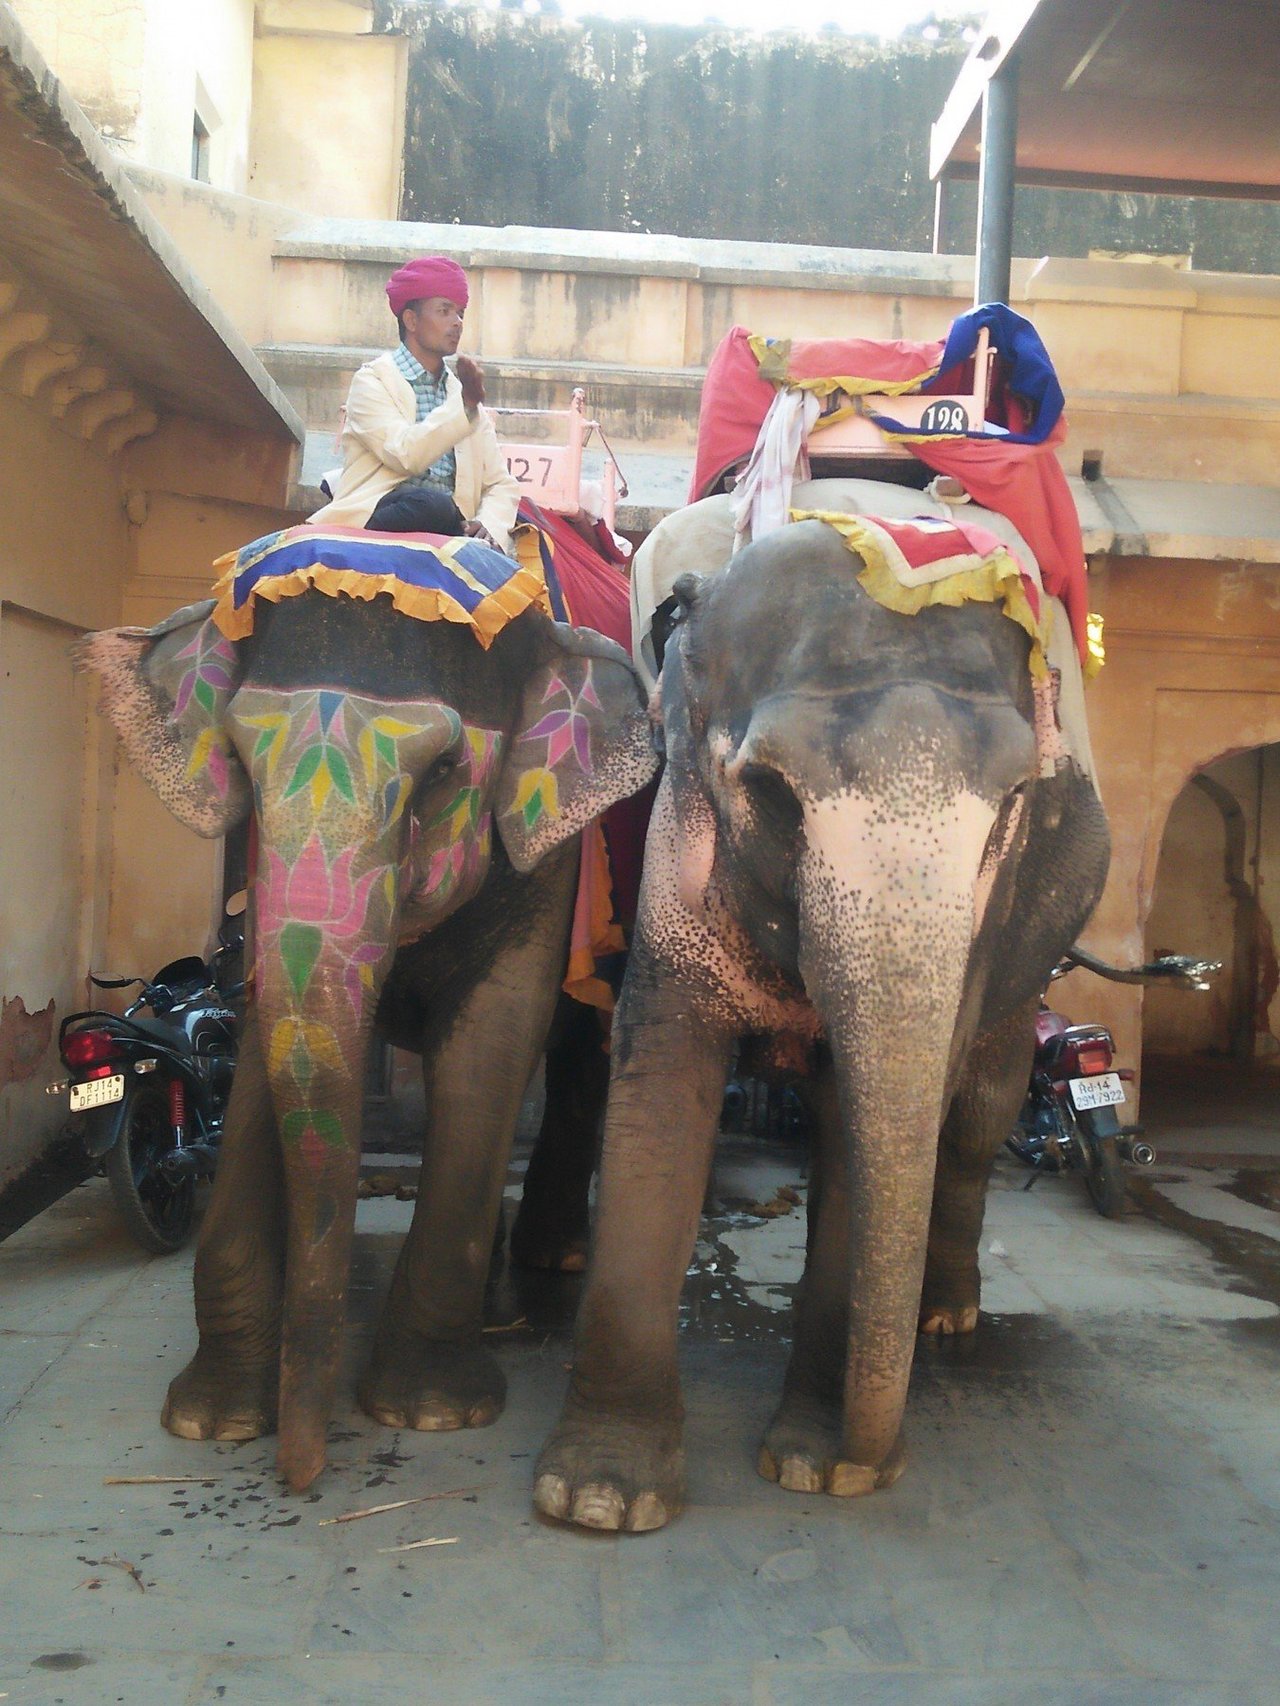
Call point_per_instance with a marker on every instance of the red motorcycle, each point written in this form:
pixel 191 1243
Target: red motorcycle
pixel 1068 1121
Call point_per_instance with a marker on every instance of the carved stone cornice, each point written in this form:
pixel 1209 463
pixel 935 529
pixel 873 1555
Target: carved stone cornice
pixel 76 384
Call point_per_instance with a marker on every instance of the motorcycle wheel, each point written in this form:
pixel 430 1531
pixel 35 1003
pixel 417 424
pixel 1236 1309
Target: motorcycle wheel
pixel 1104 1177
pixel 157 1212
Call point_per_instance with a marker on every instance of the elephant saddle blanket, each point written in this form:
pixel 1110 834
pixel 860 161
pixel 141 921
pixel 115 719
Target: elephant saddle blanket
pixel 911 562
pixel 426 575
pixel 1007 462
pixel 916 550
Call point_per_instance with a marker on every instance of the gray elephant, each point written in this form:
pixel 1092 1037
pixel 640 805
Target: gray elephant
pixel 863 857
pixel 417 800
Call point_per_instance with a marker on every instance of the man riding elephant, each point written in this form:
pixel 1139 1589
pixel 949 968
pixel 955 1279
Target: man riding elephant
pixel 411 422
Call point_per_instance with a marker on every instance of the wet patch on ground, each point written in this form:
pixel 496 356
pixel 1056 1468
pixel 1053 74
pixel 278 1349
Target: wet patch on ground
pixel 1247 1259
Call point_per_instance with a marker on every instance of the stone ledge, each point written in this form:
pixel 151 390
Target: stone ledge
pixel 1201 405
pixel 347 357
pixel 698 259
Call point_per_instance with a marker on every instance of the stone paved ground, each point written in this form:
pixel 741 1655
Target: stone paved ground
pixel 1091 1512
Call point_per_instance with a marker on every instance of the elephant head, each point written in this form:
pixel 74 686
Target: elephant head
pixel 384 760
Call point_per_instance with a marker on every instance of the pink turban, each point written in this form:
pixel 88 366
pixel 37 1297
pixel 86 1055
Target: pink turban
pixel 430 275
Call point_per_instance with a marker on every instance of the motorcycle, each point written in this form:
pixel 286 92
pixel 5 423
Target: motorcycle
pixel 1068 1120
pixel 147 1092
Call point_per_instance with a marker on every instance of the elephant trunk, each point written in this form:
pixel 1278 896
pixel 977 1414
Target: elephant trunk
pixel 332 777
pixel 888 908
pixel 318 976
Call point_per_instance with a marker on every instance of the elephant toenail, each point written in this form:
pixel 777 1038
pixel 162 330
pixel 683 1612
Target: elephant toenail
pixel 437 1421
pixel 238 1428
pixel 599 1507
pixel 647 1513
pixel 798 1475
pixel 551 1496
pixel 851 1480
pixel 766 1464
pixel 185 1427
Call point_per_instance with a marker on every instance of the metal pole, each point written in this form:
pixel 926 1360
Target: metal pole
pixel 939 214
pixel 995 185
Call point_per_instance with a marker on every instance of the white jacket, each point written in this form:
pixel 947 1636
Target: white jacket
pixel 383 444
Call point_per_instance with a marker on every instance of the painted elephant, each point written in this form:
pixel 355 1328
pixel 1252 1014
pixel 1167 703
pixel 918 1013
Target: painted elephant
pixel 417 800
pixel 863 857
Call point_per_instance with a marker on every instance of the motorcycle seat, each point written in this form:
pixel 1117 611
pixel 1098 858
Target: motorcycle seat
pixel 169 1035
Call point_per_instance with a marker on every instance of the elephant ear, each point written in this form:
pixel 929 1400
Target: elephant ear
pixel 165 691
pixel 582 742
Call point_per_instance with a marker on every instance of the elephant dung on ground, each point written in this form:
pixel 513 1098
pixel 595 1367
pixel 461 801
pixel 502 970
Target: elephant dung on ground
pixel 861 853
pixel 417 800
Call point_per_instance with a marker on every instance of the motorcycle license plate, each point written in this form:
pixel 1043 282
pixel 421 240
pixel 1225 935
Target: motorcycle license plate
pixel 97 1093
pixel 1100 1091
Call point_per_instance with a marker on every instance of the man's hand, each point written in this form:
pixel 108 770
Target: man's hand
pixel 471 380
pixel 477 530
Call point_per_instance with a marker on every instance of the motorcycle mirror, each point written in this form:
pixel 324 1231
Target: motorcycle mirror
pixel 236 903
pixel 113 982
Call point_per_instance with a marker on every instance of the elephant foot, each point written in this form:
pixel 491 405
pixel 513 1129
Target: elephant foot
pixel 611 1473
pixel 943 1319
pixel 432 1385
pixel 949 1302
pixel 216 1399
pixel 801 1451
pixel 549 1242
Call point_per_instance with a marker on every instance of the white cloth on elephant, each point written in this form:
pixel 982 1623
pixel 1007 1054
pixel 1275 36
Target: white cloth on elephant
pixel 699 539
pixel 762 498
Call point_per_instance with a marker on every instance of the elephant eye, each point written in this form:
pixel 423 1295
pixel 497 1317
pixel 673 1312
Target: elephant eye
pixel 440 769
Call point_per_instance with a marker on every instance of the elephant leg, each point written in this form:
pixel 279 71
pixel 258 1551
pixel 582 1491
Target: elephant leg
pixel 552 1227
pixel 229 1388
pixel 801 1445
pixel 429 1368
pixel 615 1460
pixel 982 1114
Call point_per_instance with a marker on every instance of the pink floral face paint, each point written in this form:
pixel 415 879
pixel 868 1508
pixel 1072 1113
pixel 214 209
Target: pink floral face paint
pixel 450 846
pixel 332 775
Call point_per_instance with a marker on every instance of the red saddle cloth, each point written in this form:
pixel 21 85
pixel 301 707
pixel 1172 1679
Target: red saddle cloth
pixel 589 589
pixel 1024 482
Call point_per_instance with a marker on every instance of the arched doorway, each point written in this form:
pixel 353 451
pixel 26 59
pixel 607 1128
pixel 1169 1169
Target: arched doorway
pixel 1217 896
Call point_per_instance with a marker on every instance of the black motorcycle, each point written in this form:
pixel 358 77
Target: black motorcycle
pixel 147 1091
pixel 1068 1122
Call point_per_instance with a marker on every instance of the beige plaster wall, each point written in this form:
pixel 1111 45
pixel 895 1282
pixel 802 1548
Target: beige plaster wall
pixel 94 873
pixel 142 68
pixel 97 48
pixel 204 66
pixel 328 123
pixel 63 550
pixel 227 240
pixel 1192 676
pixel 1193 910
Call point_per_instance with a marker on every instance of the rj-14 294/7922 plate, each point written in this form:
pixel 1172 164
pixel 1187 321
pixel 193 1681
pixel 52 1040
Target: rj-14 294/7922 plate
pixel 1101 1090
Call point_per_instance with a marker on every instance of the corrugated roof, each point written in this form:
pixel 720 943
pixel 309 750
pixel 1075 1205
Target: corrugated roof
pixel 1170 96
